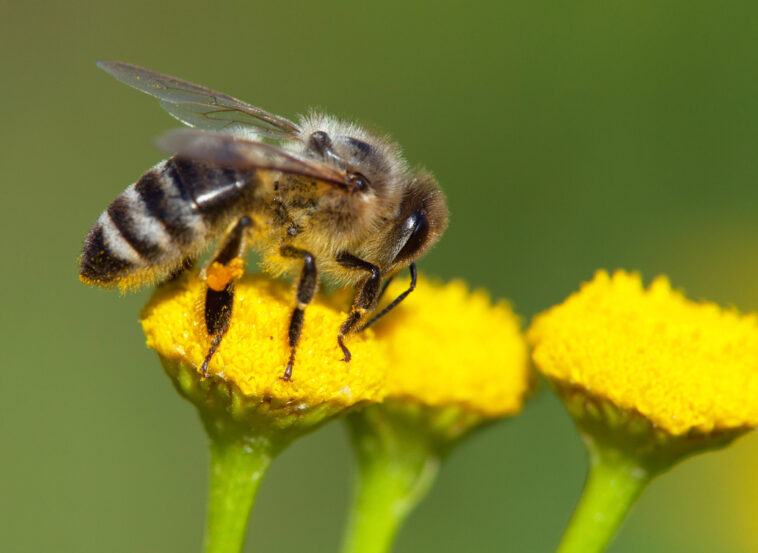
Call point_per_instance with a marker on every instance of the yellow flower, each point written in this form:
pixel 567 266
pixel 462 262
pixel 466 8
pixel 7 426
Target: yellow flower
pixel 452 347
pixel 685 366
pixel 650 378
pixel 456 361
pixel 254 351
pixel 249 412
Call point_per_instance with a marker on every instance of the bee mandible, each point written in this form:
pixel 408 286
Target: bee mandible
pixel 317 196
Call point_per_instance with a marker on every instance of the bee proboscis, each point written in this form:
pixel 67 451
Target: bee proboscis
pixel 316 196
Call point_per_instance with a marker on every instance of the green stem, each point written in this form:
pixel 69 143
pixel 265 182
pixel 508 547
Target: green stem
pixel 237 468
pixel 614 482
pixel 395 471
pixel 385 494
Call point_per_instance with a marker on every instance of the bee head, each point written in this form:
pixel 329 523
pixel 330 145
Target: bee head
pixel 419 220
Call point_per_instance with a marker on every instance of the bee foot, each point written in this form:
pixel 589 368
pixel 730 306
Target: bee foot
pixel 345 351
pixel 204 369
pixel 287 376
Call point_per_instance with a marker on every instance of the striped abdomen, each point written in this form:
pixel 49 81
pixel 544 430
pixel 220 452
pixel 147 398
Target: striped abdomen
pixel 167 216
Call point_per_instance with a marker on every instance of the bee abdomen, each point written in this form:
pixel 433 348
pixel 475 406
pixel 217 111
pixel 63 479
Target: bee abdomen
pixel 168 215
pixel 127 238
pixel 166 200
pixel 100 264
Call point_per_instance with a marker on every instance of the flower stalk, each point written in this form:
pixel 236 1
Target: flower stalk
pixel 245 436
pixel 399 446
pixel 396 468
pixel 613 484
pixel 237 468
pixel 246 433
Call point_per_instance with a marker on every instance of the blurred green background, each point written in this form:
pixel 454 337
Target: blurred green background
pixel 567 136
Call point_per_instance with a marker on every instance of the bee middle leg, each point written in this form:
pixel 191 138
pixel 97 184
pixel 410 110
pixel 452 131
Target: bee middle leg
pixel 226 267
pixel 306 289
pixel 366 295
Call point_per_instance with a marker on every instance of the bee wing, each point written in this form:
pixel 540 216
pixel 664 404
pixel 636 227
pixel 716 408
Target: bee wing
pixel 200 107
pixel 230 151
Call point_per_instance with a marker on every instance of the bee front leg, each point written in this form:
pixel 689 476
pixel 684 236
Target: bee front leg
pixel 394 303
pixel 228 265
pixel 306 289
pixel 366 296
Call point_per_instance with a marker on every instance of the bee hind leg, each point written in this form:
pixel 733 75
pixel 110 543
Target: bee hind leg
pixel 306 289
pixel 366 295
pixel 226 267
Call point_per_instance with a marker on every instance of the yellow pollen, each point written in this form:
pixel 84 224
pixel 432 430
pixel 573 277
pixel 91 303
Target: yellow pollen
pixel 450 346
pixel 217 276
pixel 254 351
pixel 685 365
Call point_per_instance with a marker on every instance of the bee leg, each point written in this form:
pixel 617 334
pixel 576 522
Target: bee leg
pixel 218 313
pixel 394 302
pixel 306 289
pixel 387 283
pixel 226 267
pixel 366 295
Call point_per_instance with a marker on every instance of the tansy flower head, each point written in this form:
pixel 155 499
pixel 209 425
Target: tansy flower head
pixel 685 366
pixel 650 378
pixel 247 367
pixel 455 361
pixel 449 346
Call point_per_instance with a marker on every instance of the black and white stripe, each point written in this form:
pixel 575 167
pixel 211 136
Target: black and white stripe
pixel 170 213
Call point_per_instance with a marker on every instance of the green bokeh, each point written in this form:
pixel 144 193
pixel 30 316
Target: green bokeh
pixel 567 136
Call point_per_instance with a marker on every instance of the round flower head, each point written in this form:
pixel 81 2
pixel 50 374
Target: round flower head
pixel 247 367
pixel 456 360
pixel 449 346
pixel 650 378
pixel 685 366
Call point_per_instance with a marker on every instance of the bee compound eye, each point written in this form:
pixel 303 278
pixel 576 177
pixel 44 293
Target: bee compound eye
pixel 418 223
pixel 357 182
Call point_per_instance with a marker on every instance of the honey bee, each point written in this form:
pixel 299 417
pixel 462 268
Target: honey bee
pixel 316 196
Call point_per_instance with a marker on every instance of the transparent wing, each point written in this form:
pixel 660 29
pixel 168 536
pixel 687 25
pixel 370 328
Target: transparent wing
pixel 237 153
pixel 200 107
